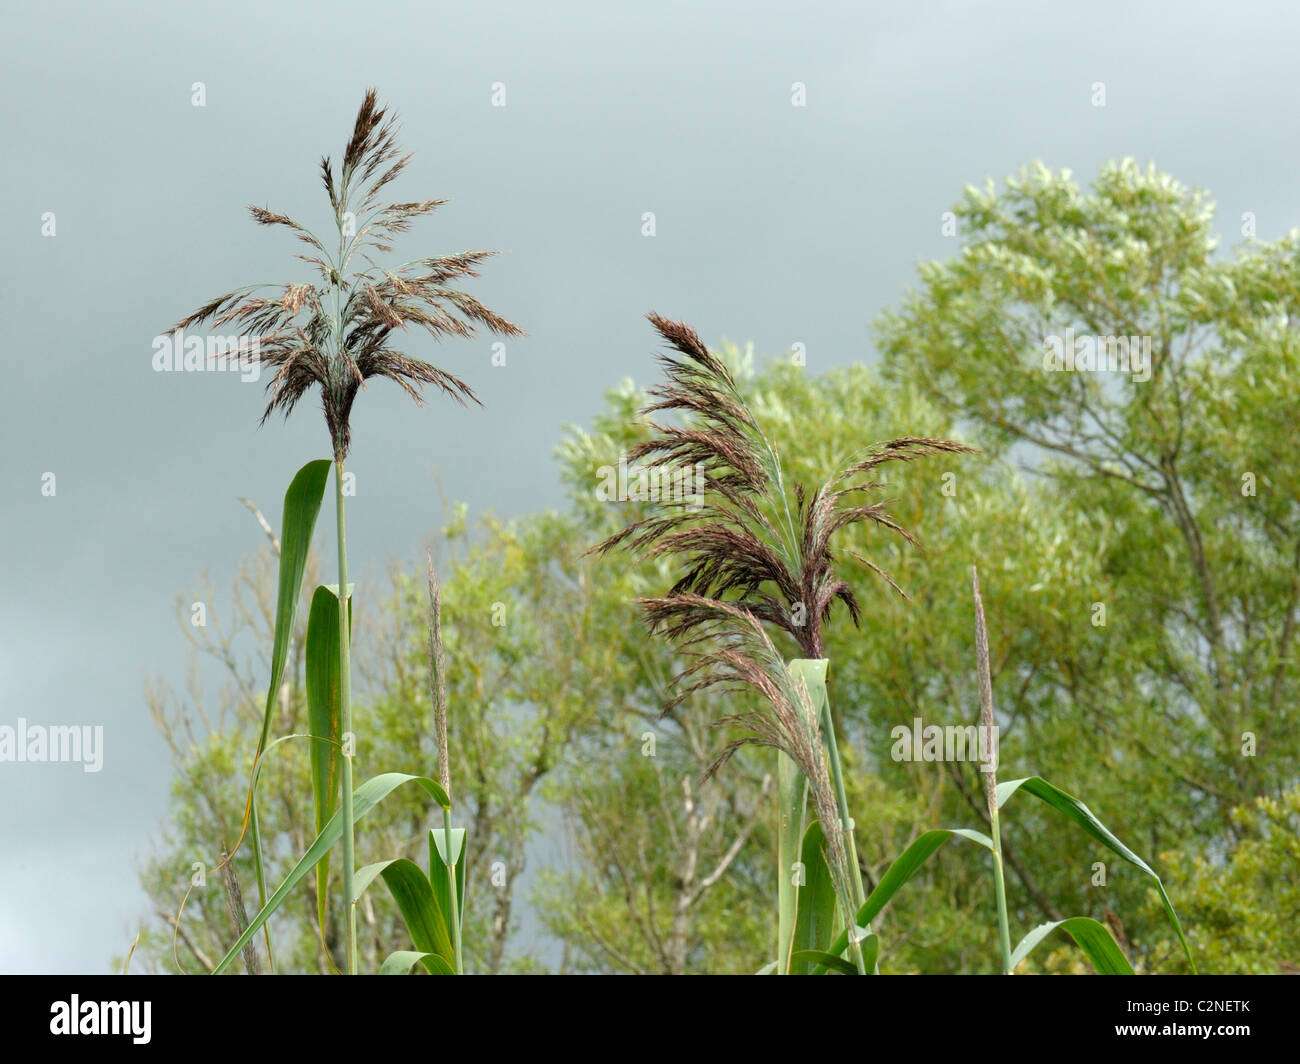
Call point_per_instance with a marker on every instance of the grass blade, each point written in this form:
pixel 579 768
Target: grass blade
pixel 903 868
pixel 1083 816
pixel 324 717
pixel 791 794
pixel 416 901
pixel 438 870
pixel 301 508
pixel 815 923
pixel 367 796
pixel 824 960
pixel 403 960
pixel 1092 937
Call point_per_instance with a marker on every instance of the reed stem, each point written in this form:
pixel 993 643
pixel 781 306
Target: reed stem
pixel 451 892
pixel 345 707
pixel 791 791
pixel 846 821
pixel 1004 930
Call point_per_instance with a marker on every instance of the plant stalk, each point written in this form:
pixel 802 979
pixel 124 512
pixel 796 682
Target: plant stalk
pixel 1004 929
pixel 846 821
pixel 988 721
pixel 791 790
pixel 451 892
pixel 255 828
pixel 345 706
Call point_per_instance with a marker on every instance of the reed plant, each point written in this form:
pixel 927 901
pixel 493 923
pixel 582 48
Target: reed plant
pixel 757 559
pixel 335 333
pixel 759 553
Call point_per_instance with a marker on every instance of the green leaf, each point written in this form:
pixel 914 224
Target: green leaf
pixel 815 920
pixel 364 798
pixel 820 958
pixel 438 870
pixel 324 715
pixel 902 870
pixel 1083 816
pixel 792 788
pixel 870 951
pixel 1092 937
pixel 402 961
pixel 301 508
pixel 416 901
pixel 768 969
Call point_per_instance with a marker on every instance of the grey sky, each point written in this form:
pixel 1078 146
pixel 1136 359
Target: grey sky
pixel 774 223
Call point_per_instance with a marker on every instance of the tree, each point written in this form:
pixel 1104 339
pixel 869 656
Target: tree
pixel 1181 451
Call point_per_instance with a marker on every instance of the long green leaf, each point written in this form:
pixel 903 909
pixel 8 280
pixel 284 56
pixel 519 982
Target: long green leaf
pixel 1083 816
pixel 903 868
pixel 438 869
pixel 817 957
pixel 301 507
pixel 1092 937
pixel 815 920
pixel 324 719
pixel 791 787
pixel 402 961
pixel 365 798
pixel 415 899
pixel 870 951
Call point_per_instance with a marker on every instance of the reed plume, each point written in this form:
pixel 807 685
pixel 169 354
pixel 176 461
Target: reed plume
pixel 751 541
pixel 340 332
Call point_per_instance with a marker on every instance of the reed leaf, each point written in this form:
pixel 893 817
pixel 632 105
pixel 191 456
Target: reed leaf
pixel 425 920
pixel 827 962
pixel 324 715
pixel 1094 938
pixel 815 922
pixel 904 867
pixel 792 789
pixel 438 870
pixel 400 962
pixel 302 503
pixel 365 798
pixel 1081 815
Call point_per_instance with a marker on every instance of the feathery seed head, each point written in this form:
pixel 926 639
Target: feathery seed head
pixel 338 333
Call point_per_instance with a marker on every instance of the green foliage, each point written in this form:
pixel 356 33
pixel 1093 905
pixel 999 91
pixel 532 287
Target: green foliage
pixel 1242 906
pixel 324 715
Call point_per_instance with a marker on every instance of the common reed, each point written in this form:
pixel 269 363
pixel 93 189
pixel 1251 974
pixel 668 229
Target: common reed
pixel 757 552
pixel 336 333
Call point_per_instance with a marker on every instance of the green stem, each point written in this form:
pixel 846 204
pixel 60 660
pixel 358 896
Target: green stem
pixel 790 796
pixel 842 798
pixel 255 828
pixel 345 705
pixel 1004 930
pixel 451 892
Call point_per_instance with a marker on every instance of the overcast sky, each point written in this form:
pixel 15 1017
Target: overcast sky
pixel 774 223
